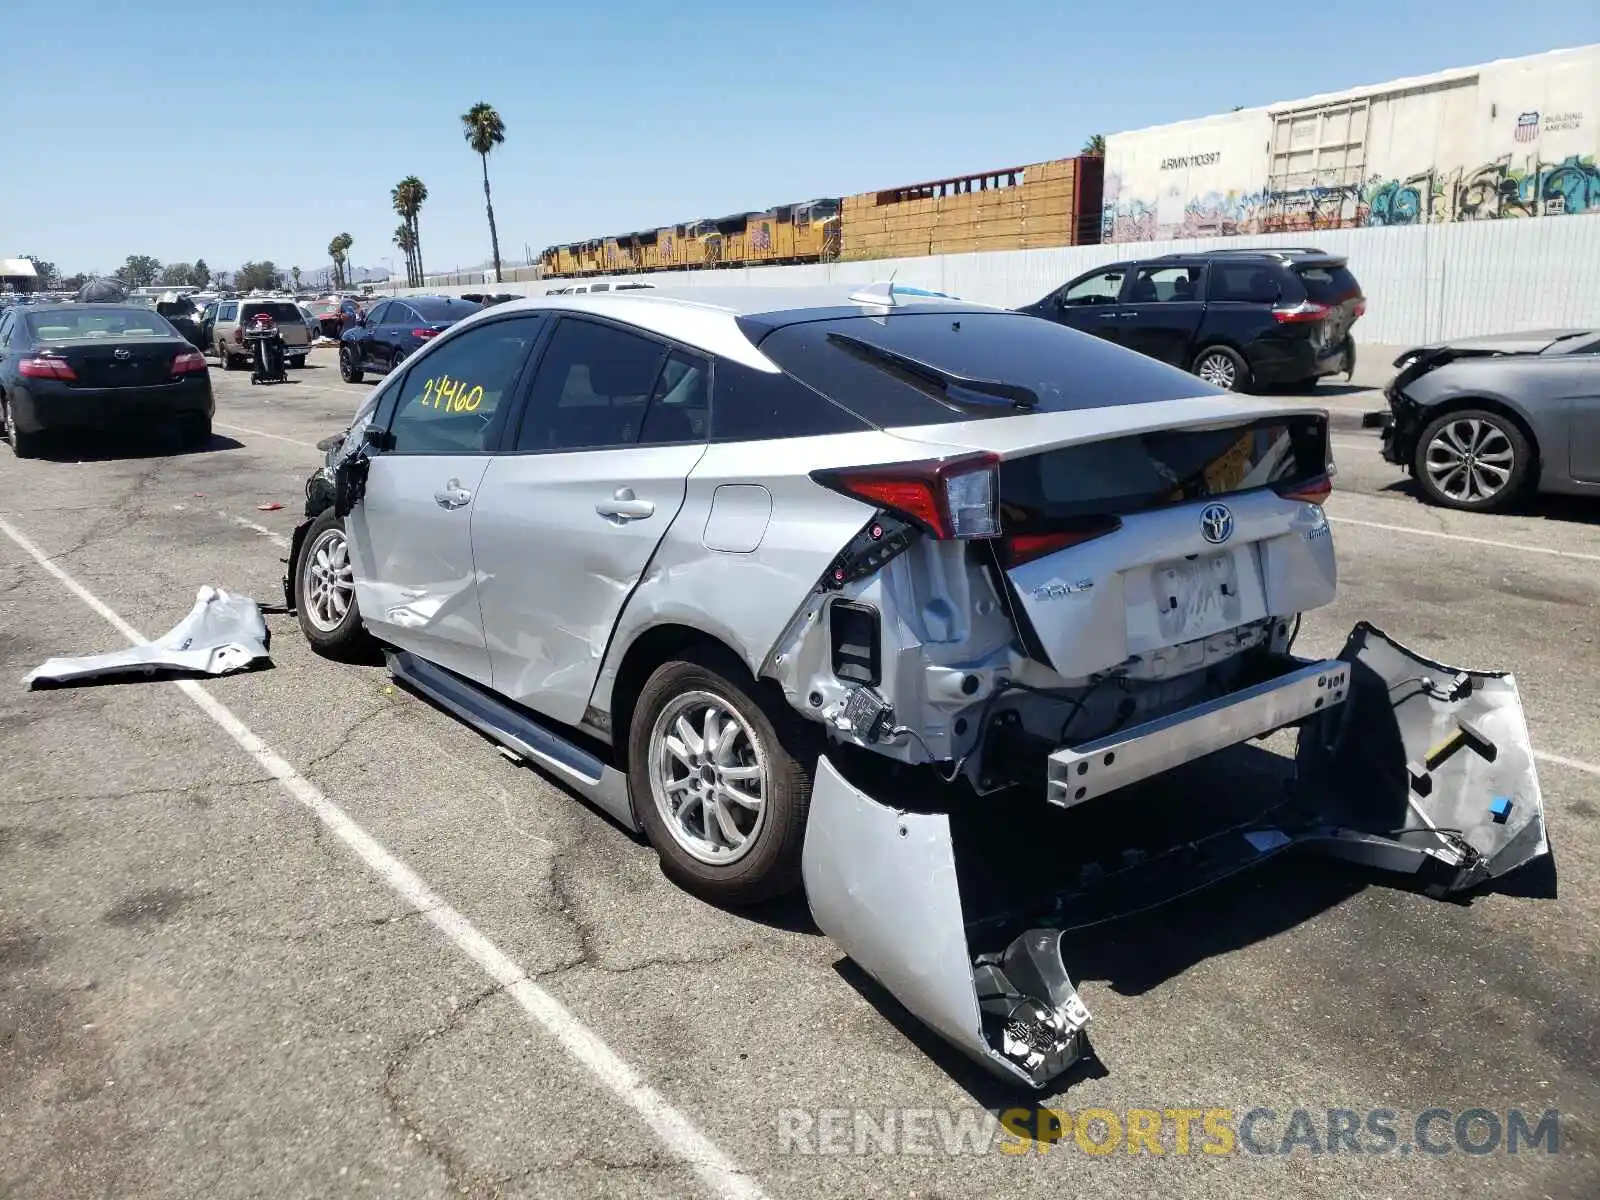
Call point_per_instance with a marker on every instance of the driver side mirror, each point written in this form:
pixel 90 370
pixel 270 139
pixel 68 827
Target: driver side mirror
pixel 377 439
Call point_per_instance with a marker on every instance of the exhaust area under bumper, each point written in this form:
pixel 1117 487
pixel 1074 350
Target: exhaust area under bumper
pixel 1422 769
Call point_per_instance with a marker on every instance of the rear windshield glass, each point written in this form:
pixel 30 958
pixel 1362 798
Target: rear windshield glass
pixel 1143 471
pixel 60 323
pixel 279 312
pixel 443 309
pixel 1328 285
pixel 1017 357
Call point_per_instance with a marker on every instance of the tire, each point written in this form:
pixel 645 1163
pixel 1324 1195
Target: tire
pixel 774 751
pixel 1222 367
pixel 23 445
pixel 349 369
pixel 324 554
pixel 228 363
pixel 195 433
pixel 1473 460
pixel 298 362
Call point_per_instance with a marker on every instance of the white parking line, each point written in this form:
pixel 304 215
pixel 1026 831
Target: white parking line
pixel 680 1136
pixel 1461 537
pixel 277 437
pixel 1576 764
pixel 272 535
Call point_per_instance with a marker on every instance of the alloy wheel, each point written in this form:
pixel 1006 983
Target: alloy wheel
pixel 708 777
pixel 1218 370
pixel 1470 460
pixel 327 586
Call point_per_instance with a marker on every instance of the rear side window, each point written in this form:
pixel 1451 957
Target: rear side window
pixel 1246 283
pixel 1060 369
pixel 1328 285
pixel 1144 471
pixel 445 308
pixel 593 387
pixel 749 405
pixel 228 313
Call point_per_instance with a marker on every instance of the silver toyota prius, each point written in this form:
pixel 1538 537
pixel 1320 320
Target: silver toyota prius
pixel 803 585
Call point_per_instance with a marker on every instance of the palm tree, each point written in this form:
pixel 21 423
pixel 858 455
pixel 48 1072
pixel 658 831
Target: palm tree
pixel 406 240
pixel 408 197
pixel 1095 147
pixel 294 273
pixel 339 251
pixel 333 256
pixel 484 130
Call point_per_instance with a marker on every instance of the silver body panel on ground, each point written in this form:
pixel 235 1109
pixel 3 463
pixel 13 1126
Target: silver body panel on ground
pixel 220 634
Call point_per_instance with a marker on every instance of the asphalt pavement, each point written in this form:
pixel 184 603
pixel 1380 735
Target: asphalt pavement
pixel 297 933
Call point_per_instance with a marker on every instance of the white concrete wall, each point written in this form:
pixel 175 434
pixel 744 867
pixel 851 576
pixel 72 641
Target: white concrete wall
pixel 1422 282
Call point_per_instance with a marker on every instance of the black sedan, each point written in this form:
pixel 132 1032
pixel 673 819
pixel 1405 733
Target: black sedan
pixel 90 367
pixel 394 329
pixel 1482 421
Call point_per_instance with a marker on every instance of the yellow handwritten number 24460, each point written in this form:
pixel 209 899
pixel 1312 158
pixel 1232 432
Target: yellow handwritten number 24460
pixel 452 395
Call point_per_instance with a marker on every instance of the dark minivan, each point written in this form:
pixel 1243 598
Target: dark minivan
pixel 1237 318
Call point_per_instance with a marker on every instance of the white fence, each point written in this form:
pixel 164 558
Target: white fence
pixel 1422 282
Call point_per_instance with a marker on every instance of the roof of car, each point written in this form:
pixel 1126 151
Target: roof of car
pixel 708 318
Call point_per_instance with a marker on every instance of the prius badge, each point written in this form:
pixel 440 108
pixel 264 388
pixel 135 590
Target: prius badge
pixel 1216 523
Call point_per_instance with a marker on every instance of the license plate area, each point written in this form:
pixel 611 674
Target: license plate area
pixel 1194 597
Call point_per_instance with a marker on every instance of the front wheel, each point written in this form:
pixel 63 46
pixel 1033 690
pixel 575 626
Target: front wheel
pixel 349 368
pixel 325 590
pixel 721 781
pixel 1472 459
pixel 1221 367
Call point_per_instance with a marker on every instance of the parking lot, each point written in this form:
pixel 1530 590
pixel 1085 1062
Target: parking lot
pixel 297 933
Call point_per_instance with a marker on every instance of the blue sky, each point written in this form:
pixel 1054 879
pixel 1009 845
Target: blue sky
pixel 129 126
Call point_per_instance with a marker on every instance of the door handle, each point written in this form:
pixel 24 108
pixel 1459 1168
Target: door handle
pixel 625 506
pixel 1128 315
pixel 453 495
pixel 1110 316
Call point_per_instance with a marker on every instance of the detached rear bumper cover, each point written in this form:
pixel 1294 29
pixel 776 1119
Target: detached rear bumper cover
pixel 1423 769
pixel 222 633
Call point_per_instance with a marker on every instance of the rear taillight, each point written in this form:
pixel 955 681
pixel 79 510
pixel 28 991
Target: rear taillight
pixel 1309 310
pixel 1019 548
pixel 425 333
pixel 1312 491
pixel 45 366
pixel 949 498
pixel 193 360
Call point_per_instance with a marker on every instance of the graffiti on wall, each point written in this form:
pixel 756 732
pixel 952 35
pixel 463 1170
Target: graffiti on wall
pixel 1496 190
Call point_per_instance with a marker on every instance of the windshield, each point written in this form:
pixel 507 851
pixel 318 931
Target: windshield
pixel 443 308
pixel 66 323
pixel 938 365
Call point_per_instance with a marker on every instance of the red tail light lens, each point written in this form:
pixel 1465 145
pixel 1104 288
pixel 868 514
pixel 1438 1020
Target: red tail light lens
pixel 425 334
pixel 949 498
pixel 1019 548
pixel 193 360
pixel 1301 313
pixel 1313 491
pixel 45 366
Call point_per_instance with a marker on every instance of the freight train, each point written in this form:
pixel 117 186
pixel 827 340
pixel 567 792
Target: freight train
pixel 1055 203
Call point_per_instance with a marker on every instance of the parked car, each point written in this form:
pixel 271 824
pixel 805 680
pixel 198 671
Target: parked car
pixel 181 313
pixel 82 367
pixel 1239 319
pixel 232 316
pixel 393 330
pixel 313 326
pixel 733 564
pixel 579 289
pixel 1480 422
pixel 335 314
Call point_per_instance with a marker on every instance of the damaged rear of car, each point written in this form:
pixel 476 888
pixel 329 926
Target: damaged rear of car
pixel 906 599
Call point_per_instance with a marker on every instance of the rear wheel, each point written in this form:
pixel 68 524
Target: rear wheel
pixel 228 363
pixel 23 445
pixel 325 590
pixel 1221 367
pixel 721 780
pixel 1472 459
pixel 349 368
pixel 195 432
pixel 298 362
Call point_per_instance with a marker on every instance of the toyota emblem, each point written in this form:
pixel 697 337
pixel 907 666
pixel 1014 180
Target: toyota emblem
pixel 1216 523
pixel 120 354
